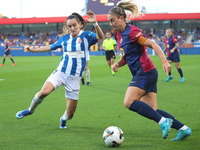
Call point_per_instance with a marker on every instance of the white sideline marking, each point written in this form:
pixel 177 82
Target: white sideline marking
pixel 2 79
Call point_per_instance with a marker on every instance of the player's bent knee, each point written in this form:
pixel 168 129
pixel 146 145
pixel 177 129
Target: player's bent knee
pixel 127 103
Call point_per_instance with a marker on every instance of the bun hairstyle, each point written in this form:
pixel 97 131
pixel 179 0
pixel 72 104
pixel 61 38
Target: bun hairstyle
pixel 119 10
pixel 79 18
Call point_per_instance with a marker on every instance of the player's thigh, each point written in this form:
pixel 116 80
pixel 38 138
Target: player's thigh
pixel 47 88
pixel 133 93
pixel 9 56
pixel 71 106
pixel 169 61
pixel 151 99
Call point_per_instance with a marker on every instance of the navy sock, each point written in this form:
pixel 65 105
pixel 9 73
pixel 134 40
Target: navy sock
pixel 170 73
pixel 180 72
pixel 12 60
pixel 4 60
pixel 145 110
pixel 176 124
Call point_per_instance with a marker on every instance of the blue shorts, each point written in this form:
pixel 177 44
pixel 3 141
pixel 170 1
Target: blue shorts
pixel 145 80
pixel 7 53
pixel 174 58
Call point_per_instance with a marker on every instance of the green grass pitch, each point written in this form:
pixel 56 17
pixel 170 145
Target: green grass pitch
pixel 100 106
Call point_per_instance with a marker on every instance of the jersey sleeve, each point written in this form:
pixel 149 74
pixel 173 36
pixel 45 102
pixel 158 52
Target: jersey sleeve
pixel 57 44
pixel 92 37
pixel 174 40
pixel 135 34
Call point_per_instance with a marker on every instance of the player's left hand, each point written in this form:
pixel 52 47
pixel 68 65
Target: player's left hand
pixel 92 17
pixel 172 51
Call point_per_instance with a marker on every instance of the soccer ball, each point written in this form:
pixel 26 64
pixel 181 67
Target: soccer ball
pixel 113 136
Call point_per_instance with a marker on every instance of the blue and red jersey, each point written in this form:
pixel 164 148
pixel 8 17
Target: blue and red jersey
pixel 135 54
pixel 6 46
pixel 169 44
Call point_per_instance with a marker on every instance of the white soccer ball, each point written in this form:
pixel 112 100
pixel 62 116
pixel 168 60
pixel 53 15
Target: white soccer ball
pixel 113 136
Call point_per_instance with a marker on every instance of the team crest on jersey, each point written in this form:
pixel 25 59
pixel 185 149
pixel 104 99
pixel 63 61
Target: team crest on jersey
pixel 79 41
pixel 122 51
pixel 121 40
pixel 167 45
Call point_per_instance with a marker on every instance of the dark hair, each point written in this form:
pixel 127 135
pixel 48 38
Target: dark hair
pixel 79 18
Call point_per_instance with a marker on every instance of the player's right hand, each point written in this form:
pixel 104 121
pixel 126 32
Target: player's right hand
pixel 115 67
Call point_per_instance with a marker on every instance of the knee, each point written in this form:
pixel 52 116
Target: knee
pixel 155 108
pixel 127 103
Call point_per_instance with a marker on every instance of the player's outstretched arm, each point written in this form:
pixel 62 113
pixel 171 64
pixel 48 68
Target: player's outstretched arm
pixel 92 19
pixel 37 50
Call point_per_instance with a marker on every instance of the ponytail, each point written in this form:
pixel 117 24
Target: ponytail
pixel 119 10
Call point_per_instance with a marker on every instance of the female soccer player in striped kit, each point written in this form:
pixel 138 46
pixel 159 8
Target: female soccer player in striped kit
pixel 75 46
pixel 141 95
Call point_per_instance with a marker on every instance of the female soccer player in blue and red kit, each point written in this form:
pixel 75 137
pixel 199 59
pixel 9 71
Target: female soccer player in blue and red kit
pixel 7 53
pixel 141 95
pixel 171 46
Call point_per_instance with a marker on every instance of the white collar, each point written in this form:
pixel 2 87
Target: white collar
pixel 81 31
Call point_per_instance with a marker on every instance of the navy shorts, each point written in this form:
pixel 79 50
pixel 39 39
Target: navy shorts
pixel 174 58
pixel 7 52
pixel 145 80
pixel 110 54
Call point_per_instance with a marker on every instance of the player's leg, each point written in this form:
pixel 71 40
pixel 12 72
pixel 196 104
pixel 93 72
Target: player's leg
pixel 112 62
pixel 72 89
pixel 108 59
pixel 151 99
pixel 69 113
pixel 131 101
pixel 170 75
pixel 82 79
pixel 38 98
pixel 109 63
pixel 177 64
pixel 53 82
pixel 11 60
pixel 184 131
pixel 87 73
pixel 4 59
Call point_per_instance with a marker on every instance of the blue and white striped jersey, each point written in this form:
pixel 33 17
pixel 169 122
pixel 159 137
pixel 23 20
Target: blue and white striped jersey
pixel 74 52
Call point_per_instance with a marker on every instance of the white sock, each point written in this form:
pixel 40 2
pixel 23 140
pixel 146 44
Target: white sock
pixel 162 120
pixel 35 102
pixel 87 73
pixel 184 127
pixel 65 116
